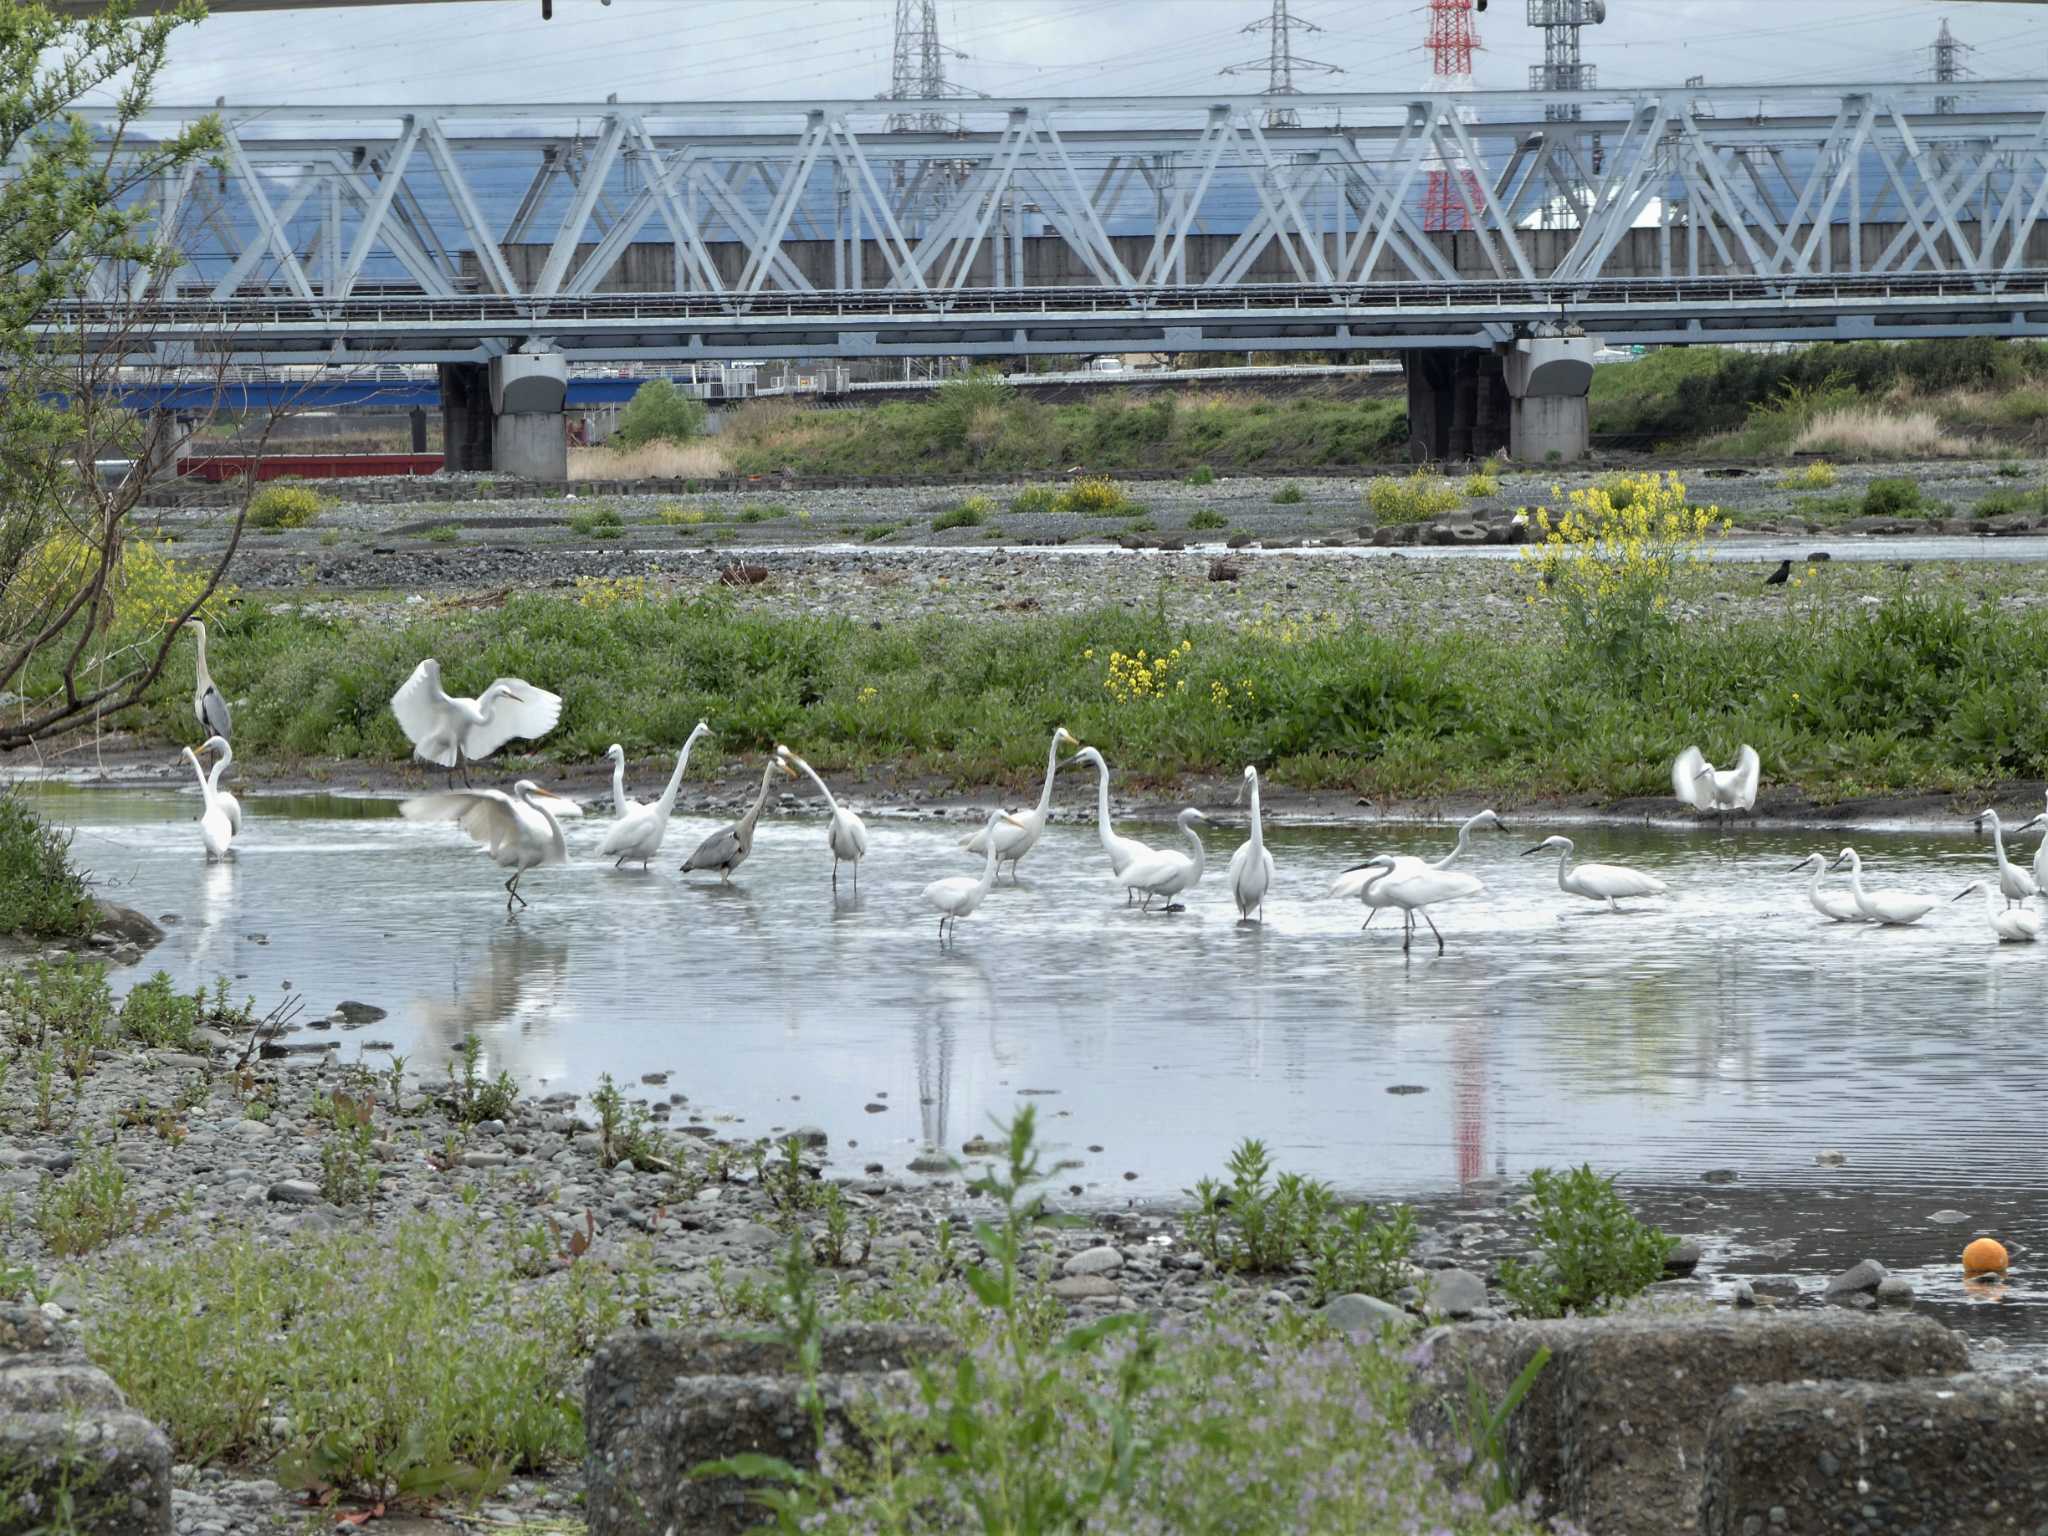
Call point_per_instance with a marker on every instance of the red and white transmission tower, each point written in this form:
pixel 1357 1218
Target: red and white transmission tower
pixel 1451 42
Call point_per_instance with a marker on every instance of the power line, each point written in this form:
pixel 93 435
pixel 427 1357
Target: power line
pixel 1280 62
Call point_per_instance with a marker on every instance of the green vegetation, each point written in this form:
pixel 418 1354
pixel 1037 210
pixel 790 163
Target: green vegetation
pixel 971 513
pixel 1415 498
pixel 434 1369
pixel 2011 503
pixel 88 1208
pixel 477 1098
pixel 980 423
pixel 443 533
pixel 1895 496
pixel 279 506
pixel 1206 519
pixel 1818 476
pixel 659 413
pixel 600 520
pixel 676 515
pixel 1592 1251
pixel 1289 495
pixel 1202 474
pixel 41 895
pixel 1036 498
pixel 1096 496
pixel 1481 486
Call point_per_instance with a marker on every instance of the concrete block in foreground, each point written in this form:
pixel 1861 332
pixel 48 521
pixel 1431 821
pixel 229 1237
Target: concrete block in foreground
pixel 659 1403
pixel 1613 1434
pixel 1938 1457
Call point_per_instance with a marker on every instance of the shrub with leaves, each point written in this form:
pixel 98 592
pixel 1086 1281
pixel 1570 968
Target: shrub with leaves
pixel 1263 1223
pixel 599 520
pixel 280 506
pixel 41 895
pixel 971 513
pixel 659 413
pixel 1893 496
pixel 1818 476
pixel 1414 499
pixel 1289 495
pixel 1592 1252
pixel 1037 498
pixel 1094 496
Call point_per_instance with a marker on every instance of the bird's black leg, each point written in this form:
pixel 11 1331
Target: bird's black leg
pixel 1407 930
pixel 1435 930
pixel 1375 912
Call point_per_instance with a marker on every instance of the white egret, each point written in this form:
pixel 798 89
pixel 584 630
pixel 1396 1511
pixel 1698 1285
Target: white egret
pixel 1891 908
pixel 1020 833
pixel 452 733
pixel 1251 867
pixel 1362 880
pixel 228 803
pixel 638 831
pixel 1829 904
pixel 957 896
pixel 215 830
pixel 1122 851
pixel 726 849
pixel 622 803
pixel 1167 871
pixel 1414 891
pixel 2040 853
pixel 208 707
pixel 518 831
pixel 1702 786
pixel 846 834
pixel 1597 882
pixel 2012 925
pixel 2014 883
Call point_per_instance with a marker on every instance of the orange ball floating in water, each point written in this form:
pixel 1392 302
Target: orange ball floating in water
pixel 1986 1256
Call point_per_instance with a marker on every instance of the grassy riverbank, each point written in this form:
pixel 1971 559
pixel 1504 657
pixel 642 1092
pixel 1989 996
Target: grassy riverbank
pixel 1909 691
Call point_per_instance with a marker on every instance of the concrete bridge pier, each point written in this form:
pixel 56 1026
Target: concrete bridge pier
pixel 1548 381
pixel 507 416
pixel 1458 405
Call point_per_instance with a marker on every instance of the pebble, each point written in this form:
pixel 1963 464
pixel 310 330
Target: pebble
pixel 1860 1279
pixel 1950 1218
pixel 1364 1314
pixel 1456 1292
pixel 1101 1260
pixel 295 1192
pixel 1083 1287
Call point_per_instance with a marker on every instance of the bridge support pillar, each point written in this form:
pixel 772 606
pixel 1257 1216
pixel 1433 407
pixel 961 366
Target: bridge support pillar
pixel 1548 380
pixel 1457 404
pixel 529 436
pixel 465 417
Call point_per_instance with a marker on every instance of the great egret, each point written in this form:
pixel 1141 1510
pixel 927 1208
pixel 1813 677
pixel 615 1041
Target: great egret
pixel 215 830
pixel 846 834
pixel 2012 925
pixel 2014 883
pixel 1363 880
pixel 1888 907
pixel 228 802
pixel 1167 871
pixel 2040 853
pixel 1702 786
pixel 638 831
pixel 518 831
pixel 1020 833
pixel 1416 890
pixel 208 707
pixel 1597 882
pixel 957 896
pixel 1832 905
pixel 726 849
pixel 452 733
pixel 1123 851
pixel 1251 867
pixel 622 803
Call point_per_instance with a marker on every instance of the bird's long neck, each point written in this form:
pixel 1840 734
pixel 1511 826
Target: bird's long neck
pixel 219 768
pixel 199 659
pixel 561 849
pixel 1195 838
pixel 811 773
pixel 619 784
pixel 488 704
pixel 1813 881
pixel 1102 802
pixel 667 802
pixel 1464 842
pixel 1856 878
pixel 1052 767
pixel 1564 866
pixel 754 811
pixel 205 784
pixel 988 865
pixel 1997 840
pixel 1258 833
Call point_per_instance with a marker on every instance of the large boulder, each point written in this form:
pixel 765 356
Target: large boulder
pixel 1613 1431
pixel 1939 1457
pixel 658 1404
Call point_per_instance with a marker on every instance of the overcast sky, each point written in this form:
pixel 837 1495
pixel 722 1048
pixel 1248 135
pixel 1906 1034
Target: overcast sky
pixel 682 50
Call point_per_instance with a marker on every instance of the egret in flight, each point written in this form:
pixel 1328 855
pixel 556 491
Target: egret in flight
pixel 845 834
pixel 1597 882
pixel 228 803
pixel 1704 787
pixel 519 831
pixel 1167 871
pixel 1414 891
pixel 1363 880
pixel 1888 907
pixel 2012 925
pixel 215 830
pixel 2014 883
pixel 622 803
pixel 638 831
pixel 1123 851
pixel 1020 832
pixel 452 733
pixel 726 849
pixel 957 896
pixel 1829 904
pixel 1251 867
pixel 208 707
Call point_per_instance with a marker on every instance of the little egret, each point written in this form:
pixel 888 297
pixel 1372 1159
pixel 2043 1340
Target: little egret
pixel 518 831
pixel 1020 833
pixel 726 849
pixel 1838 908
pixel 1597 882
pixel 2041 853
pixel 957 896
pixel 1123 851
pixel 1167 871
pixel 208 707
pixel 228 803
pixel 452 733
pixel 215 830
pixel 1416 890
pixel 622 803
pixel 1251 867
pixel 1702 786
pixel 2011 925
pixel 638 831
pixel 1888 907
pixel 2014 883
pixel 1364 882
pixel 846 834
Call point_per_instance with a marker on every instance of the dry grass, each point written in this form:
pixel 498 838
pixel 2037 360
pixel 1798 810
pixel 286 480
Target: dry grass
pixel 1872 432
pixel 651 461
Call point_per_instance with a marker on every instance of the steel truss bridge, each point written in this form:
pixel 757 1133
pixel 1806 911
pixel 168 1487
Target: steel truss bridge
pixel 761 229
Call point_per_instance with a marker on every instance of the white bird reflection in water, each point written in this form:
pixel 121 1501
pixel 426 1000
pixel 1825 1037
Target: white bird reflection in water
pixel 510 998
